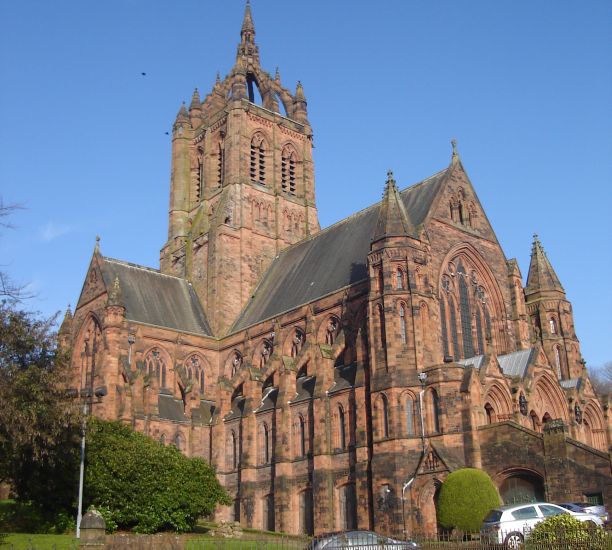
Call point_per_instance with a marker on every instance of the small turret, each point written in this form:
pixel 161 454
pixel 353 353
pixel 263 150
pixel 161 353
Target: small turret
pixel 65 331
pixel 195 109
pixel 300 104
pixel 393 219
pixel 247 46
pixel 541 276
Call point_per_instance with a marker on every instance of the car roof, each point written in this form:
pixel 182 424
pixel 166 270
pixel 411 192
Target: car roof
pixel 508 507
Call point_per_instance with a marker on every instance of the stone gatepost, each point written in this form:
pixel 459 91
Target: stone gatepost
pixel 559 482
pixel 93 528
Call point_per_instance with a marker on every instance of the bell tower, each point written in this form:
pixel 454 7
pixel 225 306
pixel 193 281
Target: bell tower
pixel 242 183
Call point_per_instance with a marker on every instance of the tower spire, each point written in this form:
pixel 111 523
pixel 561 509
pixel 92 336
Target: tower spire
pixel 247 46
pixel 541 276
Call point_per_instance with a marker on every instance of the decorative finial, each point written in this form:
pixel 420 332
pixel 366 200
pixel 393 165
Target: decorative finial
pixel 97 247
pixel 218 78
pixel 277 75
pixel 454 145
pixel 299 91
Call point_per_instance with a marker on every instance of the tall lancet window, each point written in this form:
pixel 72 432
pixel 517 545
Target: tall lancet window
pixel 257 164
pixel 465 313
pixel 402 317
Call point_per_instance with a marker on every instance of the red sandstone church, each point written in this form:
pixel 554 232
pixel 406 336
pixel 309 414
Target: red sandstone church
pixel 335 377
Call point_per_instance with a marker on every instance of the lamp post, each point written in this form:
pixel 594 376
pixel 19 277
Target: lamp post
pixel 404 487
pixel 87 394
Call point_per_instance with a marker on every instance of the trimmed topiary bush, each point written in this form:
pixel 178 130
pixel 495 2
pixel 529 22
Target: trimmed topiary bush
pixel 137 483
pixel 566 531
pixel 466 497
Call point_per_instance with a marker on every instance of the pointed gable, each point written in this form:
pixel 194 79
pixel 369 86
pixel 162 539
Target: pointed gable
pixel 457 204
pixel 541 276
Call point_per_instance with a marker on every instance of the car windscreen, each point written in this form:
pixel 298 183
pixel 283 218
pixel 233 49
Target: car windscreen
pixel 494 515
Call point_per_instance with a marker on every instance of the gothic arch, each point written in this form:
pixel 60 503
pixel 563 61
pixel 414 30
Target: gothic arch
pixel 550 398
pixel 381 416
pixel 233 364
pixel 156 365
pixel 329 329
pixel 259 158
pixel 294 342
pixel 290 163
pixel 262 353
pixel 594 426
pixel 465 275
pixel 516 485
pixel 500 402
pixel 197 370
pixel 408 405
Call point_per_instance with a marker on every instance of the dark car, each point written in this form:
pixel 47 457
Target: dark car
pixel 586 507
pixel 360 540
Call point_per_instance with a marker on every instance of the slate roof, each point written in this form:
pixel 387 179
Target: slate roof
pixel 512 364
pixel 331 259
pixel 151 297
pixel 170 408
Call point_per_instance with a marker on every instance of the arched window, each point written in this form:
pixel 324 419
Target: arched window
pixel 399 275
pixel 302 435
pixel 557 352
pixel 381 281
pixel 257 165
pixel 465 313
pixel 220 165
pixel 179 442
pixel 341 428
pixel 233 450
pixel 288 164
pixel 432 406
pixel 409 415
pixel 155 366
pixel 453 324
pixel 490 412
pixel 383 416
pixel 381 320
pixel 553 325
pixel 445 348
pixel 479 336
pixel 265 444
pixel 402 318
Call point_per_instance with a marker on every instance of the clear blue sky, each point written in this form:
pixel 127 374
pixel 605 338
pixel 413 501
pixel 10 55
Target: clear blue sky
pixel 525 86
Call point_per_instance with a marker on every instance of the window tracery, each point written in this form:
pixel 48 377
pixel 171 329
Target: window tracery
pixel 194 368
pixel 155 366
pixel 331 331
pixel 464 297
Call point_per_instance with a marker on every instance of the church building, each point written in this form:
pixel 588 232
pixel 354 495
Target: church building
pixel 335 377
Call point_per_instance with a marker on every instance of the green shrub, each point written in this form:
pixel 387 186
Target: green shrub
pixel 465 499
pixel 564 530
pixel 139 484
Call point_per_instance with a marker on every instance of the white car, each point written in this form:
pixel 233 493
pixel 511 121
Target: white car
pixel 508 525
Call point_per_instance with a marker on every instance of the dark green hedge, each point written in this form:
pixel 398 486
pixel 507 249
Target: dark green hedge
pixel 139 484
pixel 466 497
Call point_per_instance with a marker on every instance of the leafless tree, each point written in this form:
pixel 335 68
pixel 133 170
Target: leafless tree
pixel 9 289
pixel 601 378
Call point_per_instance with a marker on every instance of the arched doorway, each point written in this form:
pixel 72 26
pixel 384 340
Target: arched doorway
pixel 521 486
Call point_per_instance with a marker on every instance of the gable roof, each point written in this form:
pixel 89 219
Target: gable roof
pixel 331 259
pixel 154 298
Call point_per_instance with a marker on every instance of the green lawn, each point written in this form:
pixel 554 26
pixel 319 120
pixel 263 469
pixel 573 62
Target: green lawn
pixel 26 541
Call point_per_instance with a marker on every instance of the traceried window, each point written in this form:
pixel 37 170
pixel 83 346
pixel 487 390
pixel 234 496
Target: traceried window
pixel 155 366
pixel 257 165
pixel 288 170
pixel 194 369
pixel 465 311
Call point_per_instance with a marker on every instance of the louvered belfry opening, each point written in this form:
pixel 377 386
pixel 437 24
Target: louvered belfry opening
pixel 257 165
